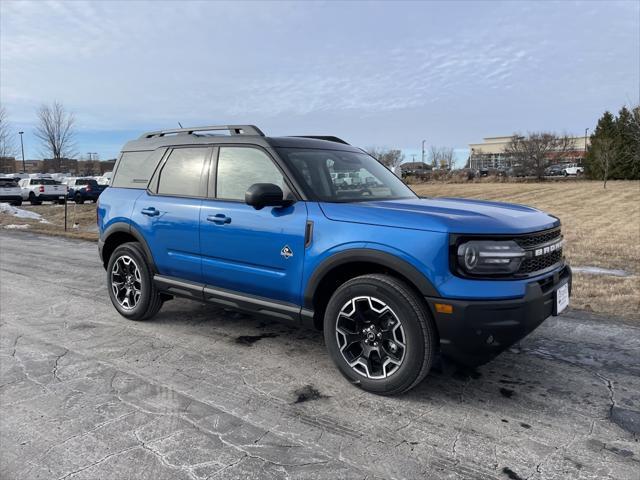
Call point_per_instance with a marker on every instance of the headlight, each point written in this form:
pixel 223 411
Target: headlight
pixel 479 257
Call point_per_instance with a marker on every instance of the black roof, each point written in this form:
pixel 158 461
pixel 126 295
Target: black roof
pixel 237 134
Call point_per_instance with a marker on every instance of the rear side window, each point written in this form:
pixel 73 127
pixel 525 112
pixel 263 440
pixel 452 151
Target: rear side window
pixel 135 168
pixel 6 182
pixel 241 167
pixel 181 174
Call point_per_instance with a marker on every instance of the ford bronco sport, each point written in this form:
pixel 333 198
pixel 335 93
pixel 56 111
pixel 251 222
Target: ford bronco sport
pixel 270 225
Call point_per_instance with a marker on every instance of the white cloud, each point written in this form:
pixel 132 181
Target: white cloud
pixel 137 64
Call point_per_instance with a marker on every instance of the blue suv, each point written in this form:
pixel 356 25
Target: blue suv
pixel 313 231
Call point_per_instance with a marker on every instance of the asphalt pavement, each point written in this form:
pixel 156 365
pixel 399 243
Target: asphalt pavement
pixel 204 393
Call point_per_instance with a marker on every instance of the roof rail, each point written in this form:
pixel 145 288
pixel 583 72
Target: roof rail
pixel 232 129
pixel 329 138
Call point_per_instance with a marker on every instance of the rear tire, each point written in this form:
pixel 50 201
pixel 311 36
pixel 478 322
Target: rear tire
pixel 33 199
pixel 130 283
pixel 379 334
pixel 17 203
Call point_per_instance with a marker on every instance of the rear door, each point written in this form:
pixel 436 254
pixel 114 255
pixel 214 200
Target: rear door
pixel 168 212
pixel 256 252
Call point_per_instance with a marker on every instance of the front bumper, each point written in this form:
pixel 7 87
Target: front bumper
pixel 477 331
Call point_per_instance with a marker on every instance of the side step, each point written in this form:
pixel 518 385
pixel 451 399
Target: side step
pixel 283 311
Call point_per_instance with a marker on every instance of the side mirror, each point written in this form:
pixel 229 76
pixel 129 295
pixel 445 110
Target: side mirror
pixel 260 195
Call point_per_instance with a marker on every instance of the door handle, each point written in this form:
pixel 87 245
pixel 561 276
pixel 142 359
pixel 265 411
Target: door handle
pixel 219 219
pixel 150 211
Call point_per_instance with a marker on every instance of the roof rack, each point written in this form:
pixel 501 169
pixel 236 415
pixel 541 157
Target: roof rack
pixel 232 129
pixel 329 138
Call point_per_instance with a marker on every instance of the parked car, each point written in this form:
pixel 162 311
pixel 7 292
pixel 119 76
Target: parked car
pixel 519 171
pixel 554 170
pixel 105 179
pixel 10 192
pixel 259 223
pixel 82 189
pixel 572 169
pixel 39 189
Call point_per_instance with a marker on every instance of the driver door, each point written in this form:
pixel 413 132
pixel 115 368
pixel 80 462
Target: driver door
pixel 255 252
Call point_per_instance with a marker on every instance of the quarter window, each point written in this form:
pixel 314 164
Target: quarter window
pixel 134 169
pixel 182 173
pixel 241 167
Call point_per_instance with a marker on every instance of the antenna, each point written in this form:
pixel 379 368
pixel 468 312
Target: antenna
pixel 180 125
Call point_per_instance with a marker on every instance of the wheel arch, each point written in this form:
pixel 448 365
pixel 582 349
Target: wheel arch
pixel 119 233
pixel 342 266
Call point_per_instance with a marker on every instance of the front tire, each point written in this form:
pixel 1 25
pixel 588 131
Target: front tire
pixel 379 334
pixel 78 199
pixel 130 283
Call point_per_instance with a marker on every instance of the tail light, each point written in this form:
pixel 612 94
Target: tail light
pixel 41 189
pixel 88 188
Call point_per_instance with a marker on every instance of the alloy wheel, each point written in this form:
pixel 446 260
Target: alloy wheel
pixel 370 337
pixel 126 282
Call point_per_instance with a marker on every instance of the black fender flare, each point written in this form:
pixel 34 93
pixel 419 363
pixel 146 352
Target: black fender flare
pixel 422 283
pixel 133 231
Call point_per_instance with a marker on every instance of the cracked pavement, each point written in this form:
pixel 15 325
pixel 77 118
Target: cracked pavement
pixel 203 393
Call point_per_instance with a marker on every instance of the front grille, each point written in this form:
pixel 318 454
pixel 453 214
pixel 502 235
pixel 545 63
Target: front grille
pixel 535 264
pixel 529 241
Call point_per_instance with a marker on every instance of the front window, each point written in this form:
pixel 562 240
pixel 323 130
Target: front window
pixel 341 176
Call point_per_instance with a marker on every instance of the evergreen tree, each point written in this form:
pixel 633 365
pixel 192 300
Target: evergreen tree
pixel 620 137
pixel 605 129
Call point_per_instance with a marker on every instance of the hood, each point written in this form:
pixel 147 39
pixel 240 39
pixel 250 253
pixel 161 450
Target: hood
pixel 453 215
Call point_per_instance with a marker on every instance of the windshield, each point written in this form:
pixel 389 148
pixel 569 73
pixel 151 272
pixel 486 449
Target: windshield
pixel 340 176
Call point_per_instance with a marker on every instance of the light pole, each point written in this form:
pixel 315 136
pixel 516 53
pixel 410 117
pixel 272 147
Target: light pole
pixel 24 169
pixel 585 140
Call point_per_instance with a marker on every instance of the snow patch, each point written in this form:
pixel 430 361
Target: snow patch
pixel 601 271
pixel 16 227
pixel 20 213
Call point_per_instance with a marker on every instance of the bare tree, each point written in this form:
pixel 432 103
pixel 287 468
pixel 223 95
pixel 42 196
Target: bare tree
pixel 7 144
pixel 56 129
pixel 390 158
pixel 604 153
pixel 442 157
pixel 535 151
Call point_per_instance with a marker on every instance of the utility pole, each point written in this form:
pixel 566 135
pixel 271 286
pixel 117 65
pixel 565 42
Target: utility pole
pixel 24 168
pixel 91 157
pixel 423 152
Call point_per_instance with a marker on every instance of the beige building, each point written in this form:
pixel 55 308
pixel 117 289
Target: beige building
pixel 491 152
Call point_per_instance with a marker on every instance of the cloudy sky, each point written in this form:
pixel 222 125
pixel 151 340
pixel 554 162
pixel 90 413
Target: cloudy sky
pixel 383 74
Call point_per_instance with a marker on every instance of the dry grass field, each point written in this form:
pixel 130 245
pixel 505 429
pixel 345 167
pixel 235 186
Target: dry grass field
pixel 601 227
pixel 84 216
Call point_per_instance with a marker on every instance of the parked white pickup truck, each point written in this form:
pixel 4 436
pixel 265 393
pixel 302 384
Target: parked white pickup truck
pixel 10 192
pixel 572 169
pixel 37 190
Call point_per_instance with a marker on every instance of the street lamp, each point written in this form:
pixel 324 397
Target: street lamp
pixel 24 168
pixel 585 140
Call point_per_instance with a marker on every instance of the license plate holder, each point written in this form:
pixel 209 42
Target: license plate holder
pixel 561 299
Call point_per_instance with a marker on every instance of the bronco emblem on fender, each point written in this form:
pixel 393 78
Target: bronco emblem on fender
pixel 286 252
